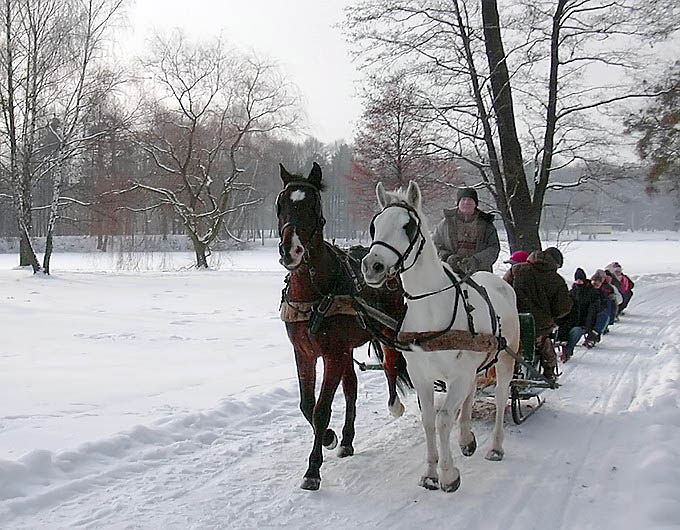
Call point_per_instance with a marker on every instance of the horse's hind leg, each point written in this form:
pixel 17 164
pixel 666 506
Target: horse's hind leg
pixel 468 443
pixel 349 388
pixel 504 370
pixel 333 372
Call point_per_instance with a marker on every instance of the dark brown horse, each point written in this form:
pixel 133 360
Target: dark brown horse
pixel 317 304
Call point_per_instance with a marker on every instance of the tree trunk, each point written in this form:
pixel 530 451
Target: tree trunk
pixel 523 225
pixel 54 214
pixel 200 250
pixel 26 253
pixel 48 253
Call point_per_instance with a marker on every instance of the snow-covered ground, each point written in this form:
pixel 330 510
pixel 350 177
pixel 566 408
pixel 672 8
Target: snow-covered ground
pixel 138 398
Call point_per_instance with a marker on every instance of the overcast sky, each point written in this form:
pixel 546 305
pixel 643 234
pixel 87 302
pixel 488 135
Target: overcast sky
pixel 298 34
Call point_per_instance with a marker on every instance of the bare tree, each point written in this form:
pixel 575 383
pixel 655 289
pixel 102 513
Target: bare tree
pixel 657 126
pixel 515 99
pixel 210 101
pixel 394 143
pixel 46 59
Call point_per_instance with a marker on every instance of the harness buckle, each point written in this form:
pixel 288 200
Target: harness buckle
pixel 319 313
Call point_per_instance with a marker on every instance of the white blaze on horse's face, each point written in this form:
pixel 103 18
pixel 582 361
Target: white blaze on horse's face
pixel 292 258
pixel 381 262
pixel 297 196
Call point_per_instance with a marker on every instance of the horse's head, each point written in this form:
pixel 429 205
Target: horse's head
pixel 301 221
pixel 396 234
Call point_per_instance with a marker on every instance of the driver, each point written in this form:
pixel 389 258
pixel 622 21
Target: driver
pixel 466 238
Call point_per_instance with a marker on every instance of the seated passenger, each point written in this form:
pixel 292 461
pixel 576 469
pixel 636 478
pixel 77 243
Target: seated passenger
pixel 623 282
pixel 542 292
pixel 581 319
pixel 607 304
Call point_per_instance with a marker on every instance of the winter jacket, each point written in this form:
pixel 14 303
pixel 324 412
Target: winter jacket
pixel 622 282
pixel 540 290
pixel 611 292
pixel 626 284
pixel 588 302
pixel 488 247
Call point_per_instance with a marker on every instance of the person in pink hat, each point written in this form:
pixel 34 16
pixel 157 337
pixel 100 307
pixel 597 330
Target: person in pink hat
pixel 519 256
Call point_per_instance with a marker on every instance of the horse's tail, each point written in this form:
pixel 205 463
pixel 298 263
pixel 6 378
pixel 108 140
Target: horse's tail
pixel 404 383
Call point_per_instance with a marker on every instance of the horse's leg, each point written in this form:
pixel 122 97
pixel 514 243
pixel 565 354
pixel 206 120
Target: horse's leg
pixel 504 370
pixel 349 388
pixel 457 392
pixel 391 357
pixel 306 370
pixel 333 371
pixel 425 390
pixel 468 443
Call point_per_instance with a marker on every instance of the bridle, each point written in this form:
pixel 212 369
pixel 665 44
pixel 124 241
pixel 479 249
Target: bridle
pixel 320 219
pixel 413 232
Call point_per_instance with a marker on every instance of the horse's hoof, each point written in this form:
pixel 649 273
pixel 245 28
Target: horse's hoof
pixel 453 486
pixel 345 450
pixel 310 483
pixel 396 409
pixel 494 455
pixel 330 440
pixel 429 483
pixel 469 448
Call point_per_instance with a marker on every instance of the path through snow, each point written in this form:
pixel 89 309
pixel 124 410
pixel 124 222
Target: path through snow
pixel 603 452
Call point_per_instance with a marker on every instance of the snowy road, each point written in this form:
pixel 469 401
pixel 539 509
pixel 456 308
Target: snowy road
pixel 604 452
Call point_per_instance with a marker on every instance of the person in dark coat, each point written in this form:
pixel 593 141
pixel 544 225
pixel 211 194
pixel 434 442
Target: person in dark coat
pixel 581 319
pixel 607 305
pixel 542 292
pixel 466 238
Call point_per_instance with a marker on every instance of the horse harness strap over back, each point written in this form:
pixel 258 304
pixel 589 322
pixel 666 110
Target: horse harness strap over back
pixel 301 311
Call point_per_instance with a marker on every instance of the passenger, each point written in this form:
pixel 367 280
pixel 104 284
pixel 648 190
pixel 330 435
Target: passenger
pixel 607 304
pixel 581 319
pixel 466 238
pixel 625 283
pixel 618 297
pixel 519 256
pixel 542 292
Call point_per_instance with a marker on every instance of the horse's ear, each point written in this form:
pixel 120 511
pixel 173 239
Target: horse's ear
pixel 382 195
pixel 315 175
pixel 285 176
pixel 413 195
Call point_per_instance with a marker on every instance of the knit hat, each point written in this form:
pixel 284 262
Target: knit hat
pixel 519 256
pixel 555 254
pixel 579 274
pixel 467 192
pixel 599 276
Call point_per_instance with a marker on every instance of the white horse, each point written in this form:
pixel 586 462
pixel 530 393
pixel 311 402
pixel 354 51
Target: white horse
pixel 402 244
